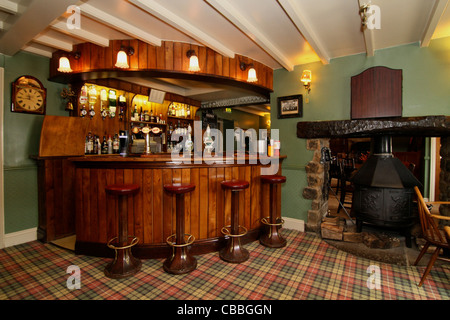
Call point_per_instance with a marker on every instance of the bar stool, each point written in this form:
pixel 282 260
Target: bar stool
pixel 234 252
pixel 180 261
pixel 272 238
pixel 124 264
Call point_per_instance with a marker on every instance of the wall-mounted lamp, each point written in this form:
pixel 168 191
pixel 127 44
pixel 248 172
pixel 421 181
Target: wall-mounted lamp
pixel 64 63
pixel 122 59
pixel 251 71
pixel 193 61
pixel 306 79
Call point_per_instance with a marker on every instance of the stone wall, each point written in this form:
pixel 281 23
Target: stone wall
pixel 318 182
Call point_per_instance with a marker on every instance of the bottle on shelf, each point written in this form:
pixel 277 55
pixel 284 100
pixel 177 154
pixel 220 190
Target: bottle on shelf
pixel 146 116
pixel 104 148
pixel 110 146
pixel 136 114
pixel 90 143
pixel 99 146
pixel 116 144
pixel 95 145
pixel 152 117
pixel 86 145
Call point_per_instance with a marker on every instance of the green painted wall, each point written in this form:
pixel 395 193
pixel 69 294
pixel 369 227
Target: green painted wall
pixel 426 79
pixel 21 139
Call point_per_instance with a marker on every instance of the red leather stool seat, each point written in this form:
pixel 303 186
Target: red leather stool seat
pixel 235 184
pixel 179 188
pixel 122 189
pixel 273 179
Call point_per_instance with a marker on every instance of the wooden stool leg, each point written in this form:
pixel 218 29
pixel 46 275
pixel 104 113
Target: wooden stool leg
pixel 234 252
pixel 271 237
pixel 124 264
pixel 180 260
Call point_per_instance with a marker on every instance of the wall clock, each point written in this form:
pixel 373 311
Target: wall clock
pixel 28 95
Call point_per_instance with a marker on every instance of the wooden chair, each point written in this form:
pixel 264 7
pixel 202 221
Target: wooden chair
pixel 431 233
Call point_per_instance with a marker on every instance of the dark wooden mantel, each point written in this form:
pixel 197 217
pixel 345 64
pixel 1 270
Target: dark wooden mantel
pixel 431 126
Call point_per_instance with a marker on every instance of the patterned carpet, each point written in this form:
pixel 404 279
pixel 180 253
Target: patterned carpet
pixel 306 269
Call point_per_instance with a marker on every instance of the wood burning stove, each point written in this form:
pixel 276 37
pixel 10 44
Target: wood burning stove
pixel 383 190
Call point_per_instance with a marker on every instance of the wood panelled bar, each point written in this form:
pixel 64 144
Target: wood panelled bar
pixel 151 216
pixel 72 195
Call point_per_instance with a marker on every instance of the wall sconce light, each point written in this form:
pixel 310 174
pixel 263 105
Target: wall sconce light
pixel 251 71
pixel 193 61
pixel 306 79
pixel 64 63
pixel 122 59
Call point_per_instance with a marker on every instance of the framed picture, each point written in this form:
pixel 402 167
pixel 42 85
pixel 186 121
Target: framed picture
pixel 290 107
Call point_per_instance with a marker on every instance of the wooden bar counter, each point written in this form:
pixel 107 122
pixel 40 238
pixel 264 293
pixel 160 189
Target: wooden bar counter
pixel 151 214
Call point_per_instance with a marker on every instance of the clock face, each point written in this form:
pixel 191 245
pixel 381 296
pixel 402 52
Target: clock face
pixel 29 99
pixel 28 95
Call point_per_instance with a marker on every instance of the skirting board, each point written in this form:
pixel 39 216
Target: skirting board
pixel 23 236
pixel 294 224
pixel 19 237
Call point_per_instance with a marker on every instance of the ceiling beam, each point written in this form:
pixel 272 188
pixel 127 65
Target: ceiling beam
pixel 368 35
pixel 37 17
pixel 53 43
pixel 183 25
pixel 369 42
pixel 240 21
pixel 9 6
pixel 39 51
pixel 436 14
pixel 295 13
pixel 118 24
pixel 82 34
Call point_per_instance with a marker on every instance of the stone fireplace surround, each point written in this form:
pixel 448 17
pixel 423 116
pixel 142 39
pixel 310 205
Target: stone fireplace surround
pixel 318 134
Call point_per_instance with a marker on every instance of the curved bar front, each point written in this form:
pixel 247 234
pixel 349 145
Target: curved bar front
pixel 151 214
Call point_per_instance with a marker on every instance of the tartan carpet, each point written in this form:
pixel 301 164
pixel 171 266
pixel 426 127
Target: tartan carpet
pixel 306 269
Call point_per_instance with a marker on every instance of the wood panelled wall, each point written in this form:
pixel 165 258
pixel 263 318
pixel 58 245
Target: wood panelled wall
pixel 151 213
pixel 170 56
pixel 56 185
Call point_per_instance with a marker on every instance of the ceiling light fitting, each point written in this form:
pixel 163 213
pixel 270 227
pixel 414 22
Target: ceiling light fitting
pixel 122 59
pixel 306 79
pixel 251 71
pixel 64 63
pixel 363 13
pixel 193 61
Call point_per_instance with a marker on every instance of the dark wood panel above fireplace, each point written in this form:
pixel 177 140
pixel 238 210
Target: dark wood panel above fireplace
pixel 377 93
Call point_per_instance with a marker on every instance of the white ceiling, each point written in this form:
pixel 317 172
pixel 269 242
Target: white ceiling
pixel 277 33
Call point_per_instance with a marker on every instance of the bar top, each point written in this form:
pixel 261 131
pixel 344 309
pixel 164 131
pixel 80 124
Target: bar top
pixel 167 157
